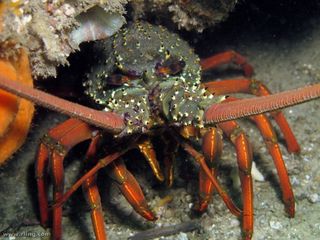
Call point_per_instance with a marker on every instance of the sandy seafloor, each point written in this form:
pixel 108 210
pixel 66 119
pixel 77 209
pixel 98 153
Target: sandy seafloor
pixel 284 49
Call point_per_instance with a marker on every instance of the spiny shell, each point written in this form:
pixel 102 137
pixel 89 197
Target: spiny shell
pixel 142 95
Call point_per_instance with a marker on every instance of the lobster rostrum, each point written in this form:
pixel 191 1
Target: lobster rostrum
pixel 147 84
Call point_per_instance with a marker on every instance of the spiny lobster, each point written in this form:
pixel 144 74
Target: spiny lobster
pixel 147 81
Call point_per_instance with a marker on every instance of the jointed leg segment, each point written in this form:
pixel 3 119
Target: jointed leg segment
pixel 244 158
pixel 255 87
pixel 168 155
pixel 201 160
pixel 225 58
pixel 232 130
pixel 270 139
pixel 130 189
pixel 91 191
pixel 146 148
pixel 54 147
pixel 211 148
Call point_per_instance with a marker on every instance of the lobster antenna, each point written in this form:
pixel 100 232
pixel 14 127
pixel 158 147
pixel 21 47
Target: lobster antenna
pixel 257 105
pixel 106 120
pixel 215 113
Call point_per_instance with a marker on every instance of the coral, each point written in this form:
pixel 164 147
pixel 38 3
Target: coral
pixel 185 14
pixel 44 27
pixel 39 32
pixel 16 114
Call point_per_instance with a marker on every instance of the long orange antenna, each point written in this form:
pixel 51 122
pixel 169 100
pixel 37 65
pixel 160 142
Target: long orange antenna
pixel 252 106
pixel 106 120
pixel 215 113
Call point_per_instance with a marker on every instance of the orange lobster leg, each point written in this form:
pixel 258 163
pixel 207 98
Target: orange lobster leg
pixel 223 194
pixel 58 142
pixel 146 148
pixel 91 192
pixel 270 138
pixel 58 186
pixel 42 181
pixel 169 151
pixel 212 148
pixel 271 141
pixel 103 162
pixel 252 86
pixel 225 58
pixel 130 188
pixel 244 158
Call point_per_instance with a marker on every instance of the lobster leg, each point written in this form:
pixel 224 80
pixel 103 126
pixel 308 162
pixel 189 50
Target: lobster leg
pixel 270 139
pixel 56 145
pixel 170 148
pixel 212 148
pixel 201 160
pixel 58 187
pixel 146 148
pixel 271 142
pixel 91 192
pixel 224 58
pixel 103 162
pixel 252 86
pixel 244 158
pixel 42 180
pixel 130 188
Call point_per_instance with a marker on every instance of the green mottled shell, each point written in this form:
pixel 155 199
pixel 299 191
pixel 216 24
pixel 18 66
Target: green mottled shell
pixel 136 50
pixel 140 47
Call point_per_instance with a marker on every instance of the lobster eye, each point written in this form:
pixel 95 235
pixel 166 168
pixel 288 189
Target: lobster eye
pixel 170 67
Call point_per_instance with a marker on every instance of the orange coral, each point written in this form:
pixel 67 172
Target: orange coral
pixel 16 113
